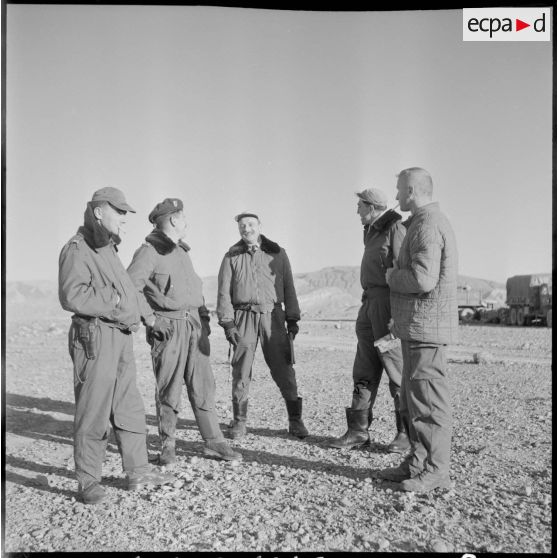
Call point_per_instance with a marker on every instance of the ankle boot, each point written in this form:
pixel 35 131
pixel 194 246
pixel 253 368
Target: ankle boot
pixel 357 430
pixel 399 473
pixel 400 444
pixel 221 450
pixel 238 425
pixel 296 426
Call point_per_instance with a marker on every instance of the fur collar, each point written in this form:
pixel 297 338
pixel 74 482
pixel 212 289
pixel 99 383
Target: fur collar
pixel 94 233
pixel 163 244
pixel 389 218
pixel 267 246
pixel 386 220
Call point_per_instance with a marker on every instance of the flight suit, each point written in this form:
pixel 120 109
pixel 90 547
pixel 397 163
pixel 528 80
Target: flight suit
pixel 162 270
pixel 94 285
pixel 382 241
pixel 256 296
pixel 253 287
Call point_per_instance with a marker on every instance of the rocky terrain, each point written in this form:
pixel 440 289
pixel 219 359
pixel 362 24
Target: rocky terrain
pixel 286 495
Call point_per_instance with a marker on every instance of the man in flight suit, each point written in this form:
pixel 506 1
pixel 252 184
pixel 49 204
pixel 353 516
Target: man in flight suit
pixel 255 280
pixel 162 272
pixel 383 235
pixel 93 284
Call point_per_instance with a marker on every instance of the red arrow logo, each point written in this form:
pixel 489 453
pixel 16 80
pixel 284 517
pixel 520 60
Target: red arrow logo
pixel 519 25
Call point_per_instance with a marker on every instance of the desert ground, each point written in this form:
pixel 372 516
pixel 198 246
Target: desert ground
pixel 286 494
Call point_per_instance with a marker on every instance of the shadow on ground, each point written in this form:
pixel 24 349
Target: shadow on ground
pixel 25 416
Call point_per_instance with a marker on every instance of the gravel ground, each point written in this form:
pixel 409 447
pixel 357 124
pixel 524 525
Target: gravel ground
pixel 288 495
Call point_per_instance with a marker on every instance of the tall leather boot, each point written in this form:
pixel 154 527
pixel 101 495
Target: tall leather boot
pixel 167 418
pixel 238 425
pixel 296 426
pixel 357 430
pixel 168 453
pixel 401 443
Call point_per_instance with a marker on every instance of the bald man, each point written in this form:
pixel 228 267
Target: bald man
pixel 423 290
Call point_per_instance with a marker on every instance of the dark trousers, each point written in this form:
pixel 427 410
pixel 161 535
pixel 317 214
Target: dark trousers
pixel 269 329
pixel 184 359
pixel 425 406
pixel 106 394
pixel 371 325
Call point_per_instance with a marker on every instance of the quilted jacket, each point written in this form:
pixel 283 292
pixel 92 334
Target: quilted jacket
pixel 424 288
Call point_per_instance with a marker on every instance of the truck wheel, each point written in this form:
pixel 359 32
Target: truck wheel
pixel 502 316
pixel 549 318
pixel 520 317
pixel 513 316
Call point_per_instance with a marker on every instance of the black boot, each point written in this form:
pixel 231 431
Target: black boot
pixel 400 443
pixel 238 425
pixel 294 410
pixel 357 435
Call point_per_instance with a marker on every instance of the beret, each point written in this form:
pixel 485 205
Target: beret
pixel 166 207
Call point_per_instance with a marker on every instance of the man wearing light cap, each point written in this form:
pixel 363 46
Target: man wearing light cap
pixel 383 235
pixel 93 284
pixel 255 282
pixel 178 329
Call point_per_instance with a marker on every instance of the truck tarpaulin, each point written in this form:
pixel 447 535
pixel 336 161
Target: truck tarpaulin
pixel 519 288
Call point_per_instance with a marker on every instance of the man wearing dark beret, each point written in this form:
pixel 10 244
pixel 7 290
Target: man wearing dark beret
pixel 178 331
pixel 255 281
pixel 94 285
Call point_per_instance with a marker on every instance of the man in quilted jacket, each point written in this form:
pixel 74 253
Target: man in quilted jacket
pixel 424 311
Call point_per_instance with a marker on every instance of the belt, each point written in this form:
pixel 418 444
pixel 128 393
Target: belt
pixel 261 308
pixel 183 314
pixel 109 323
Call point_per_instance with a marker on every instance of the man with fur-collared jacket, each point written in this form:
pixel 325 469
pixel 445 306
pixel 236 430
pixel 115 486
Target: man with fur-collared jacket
pixel 383 235
pixel 94 286
pixel 162 272
pixel 256 297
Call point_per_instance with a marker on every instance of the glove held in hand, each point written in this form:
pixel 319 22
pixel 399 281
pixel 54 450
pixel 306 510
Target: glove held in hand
pixel 292 328
pixel 231 333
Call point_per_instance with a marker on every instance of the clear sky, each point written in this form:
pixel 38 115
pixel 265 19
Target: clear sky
pixel 285 113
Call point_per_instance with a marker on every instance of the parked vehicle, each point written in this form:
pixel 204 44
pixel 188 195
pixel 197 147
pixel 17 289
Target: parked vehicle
pixel 469 302
pixel 492 315
pixel 529 298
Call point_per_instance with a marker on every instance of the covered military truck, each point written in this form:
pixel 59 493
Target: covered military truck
pixel 529 298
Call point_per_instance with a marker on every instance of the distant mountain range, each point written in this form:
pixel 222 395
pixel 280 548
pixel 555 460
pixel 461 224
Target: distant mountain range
pixel 330 293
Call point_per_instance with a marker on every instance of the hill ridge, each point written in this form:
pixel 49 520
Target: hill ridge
pixel 330 292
